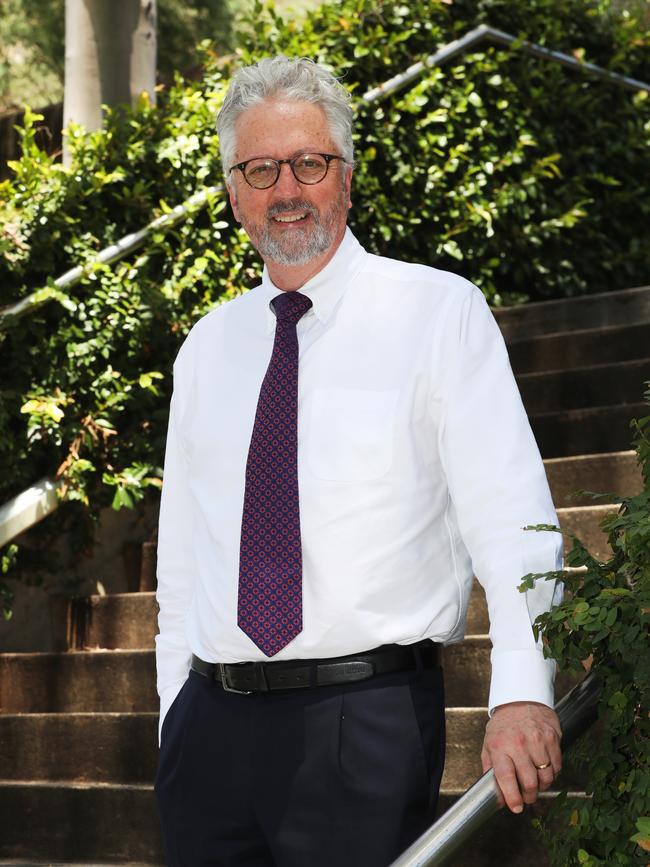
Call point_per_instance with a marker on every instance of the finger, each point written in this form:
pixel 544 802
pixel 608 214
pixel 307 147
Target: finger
pixel 555 755
pixel 487 764
pixel 528 777
pixel 545 776
pixel 506 777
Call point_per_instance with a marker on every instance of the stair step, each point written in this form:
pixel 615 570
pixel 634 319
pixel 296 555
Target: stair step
pixel 128 620
pixel 618 473
pixel 546 352
pixel 467 673
pixel 76 822
pixel 123 681
pixel 73 681
pixel 119 748
pixel 73 823
pixel 602 385
pixel 104 628
pixel 122 749
pixel 584 521
pixel 594 430
pixel 573 314
pixel 119 620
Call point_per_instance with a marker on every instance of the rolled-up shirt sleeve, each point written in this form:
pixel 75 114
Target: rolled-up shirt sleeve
pixel 498 486
pixel 176 573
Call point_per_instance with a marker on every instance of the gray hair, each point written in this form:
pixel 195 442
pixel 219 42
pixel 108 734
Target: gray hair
pixel 298 79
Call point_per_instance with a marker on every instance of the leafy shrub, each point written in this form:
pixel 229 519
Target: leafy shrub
pixel 605 618
pixel 525 177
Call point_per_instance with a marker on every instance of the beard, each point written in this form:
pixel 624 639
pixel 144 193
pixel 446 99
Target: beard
pixel 301 245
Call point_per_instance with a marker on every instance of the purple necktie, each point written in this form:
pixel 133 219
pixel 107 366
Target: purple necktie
pixel 269 606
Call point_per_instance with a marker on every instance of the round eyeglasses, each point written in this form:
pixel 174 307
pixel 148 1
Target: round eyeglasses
pixel 262 172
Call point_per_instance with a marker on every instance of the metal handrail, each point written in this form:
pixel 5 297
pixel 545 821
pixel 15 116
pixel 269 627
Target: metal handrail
pixel 576 711
pixel 28 508
pixel 111 254
pixel 484 33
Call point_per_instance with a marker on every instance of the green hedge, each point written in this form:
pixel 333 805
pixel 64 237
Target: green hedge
pixel 527 178
pixel 605 618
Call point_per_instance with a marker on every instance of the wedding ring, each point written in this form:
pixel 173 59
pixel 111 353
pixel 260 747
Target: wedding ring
pixel 543 767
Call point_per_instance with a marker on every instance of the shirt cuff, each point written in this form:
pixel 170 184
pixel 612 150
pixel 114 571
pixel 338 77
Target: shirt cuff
pixel 521 675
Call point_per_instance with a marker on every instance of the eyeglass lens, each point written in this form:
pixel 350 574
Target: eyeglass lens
pixel 307 168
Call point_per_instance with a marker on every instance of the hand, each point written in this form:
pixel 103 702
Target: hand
pixel 519 738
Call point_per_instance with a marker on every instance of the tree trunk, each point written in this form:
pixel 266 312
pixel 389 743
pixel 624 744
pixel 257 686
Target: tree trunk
pixel 110 57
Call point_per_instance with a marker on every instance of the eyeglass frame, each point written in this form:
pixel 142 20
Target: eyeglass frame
pixel 279 163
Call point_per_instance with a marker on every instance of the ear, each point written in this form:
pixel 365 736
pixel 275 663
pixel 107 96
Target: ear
pixel 232 195
pixel 348 184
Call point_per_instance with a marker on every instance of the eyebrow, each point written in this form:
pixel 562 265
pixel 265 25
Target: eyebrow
pixel 296 153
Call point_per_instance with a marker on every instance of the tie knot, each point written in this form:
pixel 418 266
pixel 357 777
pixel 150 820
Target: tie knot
pixel 291 305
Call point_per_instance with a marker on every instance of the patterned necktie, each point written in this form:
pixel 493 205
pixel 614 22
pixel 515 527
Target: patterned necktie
pixel 269 606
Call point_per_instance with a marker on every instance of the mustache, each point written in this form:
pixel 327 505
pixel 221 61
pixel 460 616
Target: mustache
pixel 291 205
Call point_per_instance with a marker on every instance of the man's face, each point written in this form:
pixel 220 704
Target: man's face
pixel 282 129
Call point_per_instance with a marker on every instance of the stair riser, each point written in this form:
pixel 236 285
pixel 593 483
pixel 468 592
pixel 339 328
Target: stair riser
pixel 123 749
pixel 78 682
pixel 617 473
pixel 577 389
pixel 129 621
pixel 585 523
pixel 93 748
pixel 586 431
pixel 60 823
pixel 83 682
pixel 126 621
pixel 63 824
pixel 467 674
pixel 579 349
pixel 575 314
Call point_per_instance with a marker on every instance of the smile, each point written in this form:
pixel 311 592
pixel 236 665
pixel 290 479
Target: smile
pixel 292 219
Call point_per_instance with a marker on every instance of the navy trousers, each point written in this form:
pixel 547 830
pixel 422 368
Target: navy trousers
pixel 335 776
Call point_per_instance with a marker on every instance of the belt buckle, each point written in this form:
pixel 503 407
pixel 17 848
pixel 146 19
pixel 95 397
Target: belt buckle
pixel 226 686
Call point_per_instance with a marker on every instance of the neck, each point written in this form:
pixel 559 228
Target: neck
pixel 289 278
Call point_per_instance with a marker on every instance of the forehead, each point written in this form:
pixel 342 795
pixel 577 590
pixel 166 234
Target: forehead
pixel 281 128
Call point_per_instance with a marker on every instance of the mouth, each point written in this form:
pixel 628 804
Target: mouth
pixel 290 218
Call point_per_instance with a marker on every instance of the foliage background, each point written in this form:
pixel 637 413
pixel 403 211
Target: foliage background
pixel 527 178
pixel 604 618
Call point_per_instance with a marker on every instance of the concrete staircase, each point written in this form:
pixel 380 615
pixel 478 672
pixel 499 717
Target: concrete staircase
pixel 78 728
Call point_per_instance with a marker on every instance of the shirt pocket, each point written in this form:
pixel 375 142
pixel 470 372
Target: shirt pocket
pixel 351 434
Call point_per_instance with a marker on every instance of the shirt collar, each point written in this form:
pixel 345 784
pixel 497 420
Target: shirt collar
pixel 325 288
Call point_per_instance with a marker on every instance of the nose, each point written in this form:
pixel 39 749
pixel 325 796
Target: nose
pixel 286 184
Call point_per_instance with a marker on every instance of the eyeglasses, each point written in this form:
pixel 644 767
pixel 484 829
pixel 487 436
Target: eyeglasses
pixel 262 172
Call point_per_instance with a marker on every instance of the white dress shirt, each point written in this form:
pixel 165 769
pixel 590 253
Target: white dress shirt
pixel 417 467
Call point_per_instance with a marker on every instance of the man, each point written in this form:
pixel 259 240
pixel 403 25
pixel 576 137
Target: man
pixel 346 447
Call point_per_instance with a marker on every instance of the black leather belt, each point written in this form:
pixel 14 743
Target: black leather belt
pixel 249 677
